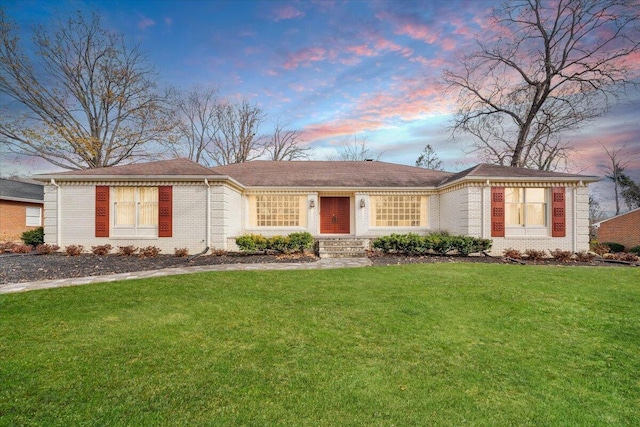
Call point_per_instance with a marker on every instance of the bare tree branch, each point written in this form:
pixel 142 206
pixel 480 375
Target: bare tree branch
pixel 237 138
pixel 285 144
pixel 550 68
pixel 89 101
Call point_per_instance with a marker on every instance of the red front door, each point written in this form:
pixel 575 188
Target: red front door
pixel 334 215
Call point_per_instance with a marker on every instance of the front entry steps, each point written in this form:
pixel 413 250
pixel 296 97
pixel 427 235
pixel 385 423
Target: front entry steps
pixel 342 247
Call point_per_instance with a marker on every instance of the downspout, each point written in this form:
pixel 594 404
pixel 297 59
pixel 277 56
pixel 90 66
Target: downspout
pixel 575 219
pixel 207 222
pixel 482 207
pixel 208 239
pixel 58 212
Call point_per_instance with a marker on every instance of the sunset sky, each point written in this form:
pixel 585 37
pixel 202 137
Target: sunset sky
pixel 330 68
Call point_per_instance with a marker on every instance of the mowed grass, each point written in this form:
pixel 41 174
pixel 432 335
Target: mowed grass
pixel 443 344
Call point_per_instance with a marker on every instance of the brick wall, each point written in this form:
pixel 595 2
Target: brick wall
pixel 624 229
pixel 13 219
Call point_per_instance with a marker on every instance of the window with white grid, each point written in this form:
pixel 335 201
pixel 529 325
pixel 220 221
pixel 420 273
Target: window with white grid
pixel 398 211
pixel 278 211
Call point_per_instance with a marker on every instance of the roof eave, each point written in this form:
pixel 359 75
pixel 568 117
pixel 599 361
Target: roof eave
pixel 490 179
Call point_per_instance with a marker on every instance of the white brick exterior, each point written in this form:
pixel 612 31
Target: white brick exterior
pixel 463 209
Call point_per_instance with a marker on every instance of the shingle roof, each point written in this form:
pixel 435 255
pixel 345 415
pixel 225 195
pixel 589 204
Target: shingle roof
pixel 175 167
pixel 509 172
pixel 366 174
pixel 22 191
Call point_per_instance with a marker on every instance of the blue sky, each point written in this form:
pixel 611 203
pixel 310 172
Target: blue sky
pixel 330 68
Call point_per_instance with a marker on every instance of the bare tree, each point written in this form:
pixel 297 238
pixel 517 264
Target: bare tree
pixel 429 159
pixel 614 170
pixel 82 99
pixel 237 139
pixel 197 110
pixel 285 144
pixel 355 150
pixel 551 67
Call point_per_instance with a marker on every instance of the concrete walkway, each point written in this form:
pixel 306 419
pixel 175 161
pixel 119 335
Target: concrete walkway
pixel 326 263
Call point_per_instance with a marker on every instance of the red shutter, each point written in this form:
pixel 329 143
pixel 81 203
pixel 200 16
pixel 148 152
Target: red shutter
pixel 165 211
pixel 558 217
pixel 497 212
pixel 102 211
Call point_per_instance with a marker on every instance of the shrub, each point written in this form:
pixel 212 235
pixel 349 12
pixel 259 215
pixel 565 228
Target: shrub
pixel 218 252
pixel 585 256
pixel 127 250
pixel 33 237
pixel 535 255
pixel 252 243
pixel 562 256
pixel 441 243
pixel 614 247
pixel 101 250
pixel 74 250
pixel 299 242
pixel 181 252
pixel 149 252
pixel 635 249
pixel 278 243
pixel 512 253
pixel 46 249
pixel 20 248
pixel 600 248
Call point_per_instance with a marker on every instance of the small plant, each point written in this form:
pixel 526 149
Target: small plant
pixel 512 253
pixel 614 247
pixel 300 242
pixel 33 237
pixel 585 256
pixel 218 252
pixel 629 257
pixel 74 250
pixel 127 250
pixel 181 252
pixel 149 252
pixel 46 249
pixel 101 249
pixel 535 255
pixel 560 255
pixel 600 248
pixel 20 248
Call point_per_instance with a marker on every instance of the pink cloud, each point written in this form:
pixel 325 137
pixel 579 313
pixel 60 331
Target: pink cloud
pixel 407 26
pixel 362 50
pixel 305 57
pixel 287 12
pixel 448 44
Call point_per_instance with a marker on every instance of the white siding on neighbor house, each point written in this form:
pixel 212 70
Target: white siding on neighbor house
pixel 78 218
pixel 51 214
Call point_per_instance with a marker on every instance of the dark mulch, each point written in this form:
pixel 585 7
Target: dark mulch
pixel 33 267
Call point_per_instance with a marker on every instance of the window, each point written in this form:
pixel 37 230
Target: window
pixel 525 207
pixel 135 209
pixel 34 216
pixel 399 211
pixel 278 211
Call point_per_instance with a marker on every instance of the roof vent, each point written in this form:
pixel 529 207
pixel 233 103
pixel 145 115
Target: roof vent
pixel 368 160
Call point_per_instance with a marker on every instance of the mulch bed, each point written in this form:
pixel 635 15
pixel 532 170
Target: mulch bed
pixel 16 268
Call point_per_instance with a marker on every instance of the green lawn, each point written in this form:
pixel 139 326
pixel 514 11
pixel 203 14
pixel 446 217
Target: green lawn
pixel 437 344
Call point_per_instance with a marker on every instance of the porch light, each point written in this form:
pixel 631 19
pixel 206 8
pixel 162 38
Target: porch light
pixel 362 203
pixel 312 204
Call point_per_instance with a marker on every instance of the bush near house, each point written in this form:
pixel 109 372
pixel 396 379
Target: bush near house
pixel 293 243
pixel 439 243
pixel 635 249
pixel 33 237
pixel 614 247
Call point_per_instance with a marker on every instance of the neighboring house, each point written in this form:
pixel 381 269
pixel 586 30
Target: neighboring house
pixel 180 204
pixel 623 229
pixel 20 208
